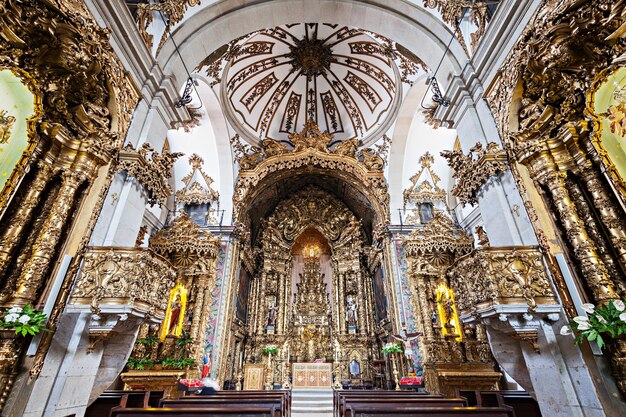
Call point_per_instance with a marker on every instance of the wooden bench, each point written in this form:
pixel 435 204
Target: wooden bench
pixel 375 404
pixel 435 412
pixel 245 411
pixel 113 398
pixel 254 393
pixel 523 404
pixel 341 397
pixel 283 395
pixel 276 402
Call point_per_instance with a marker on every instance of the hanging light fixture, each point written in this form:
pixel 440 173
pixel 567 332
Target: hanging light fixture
pixel 190 85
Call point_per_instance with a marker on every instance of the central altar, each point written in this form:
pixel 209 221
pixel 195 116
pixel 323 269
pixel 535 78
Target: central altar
pixel 311 375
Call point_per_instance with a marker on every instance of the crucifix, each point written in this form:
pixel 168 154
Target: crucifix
pixel 406 338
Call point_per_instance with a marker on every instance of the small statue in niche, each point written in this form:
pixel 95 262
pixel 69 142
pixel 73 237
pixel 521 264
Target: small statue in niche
pixel 355 368
pixel 271 313
pixel 351 312
pixel 174 316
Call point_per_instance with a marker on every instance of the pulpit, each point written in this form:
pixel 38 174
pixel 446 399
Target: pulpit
pixel 312 375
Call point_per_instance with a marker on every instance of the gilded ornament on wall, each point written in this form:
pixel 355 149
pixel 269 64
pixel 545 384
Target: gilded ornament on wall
pixel 310 149
pixel 134 276
pixel 472 170
pixel 151 169
pixel 493 276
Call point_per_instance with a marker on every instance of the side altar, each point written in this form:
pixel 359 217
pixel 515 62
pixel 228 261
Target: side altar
pixel 312 375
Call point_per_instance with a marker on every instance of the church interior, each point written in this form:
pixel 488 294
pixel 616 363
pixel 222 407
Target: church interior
pixel 341 208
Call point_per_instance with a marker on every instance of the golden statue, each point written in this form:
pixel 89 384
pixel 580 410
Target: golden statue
pixel 175 313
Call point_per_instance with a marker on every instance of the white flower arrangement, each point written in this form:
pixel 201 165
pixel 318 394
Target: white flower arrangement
pixel 273 349
pixel 608 320
pixel 24 320
pixel 391 347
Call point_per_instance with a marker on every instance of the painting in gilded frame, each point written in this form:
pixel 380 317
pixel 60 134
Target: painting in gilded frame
pixel 19 108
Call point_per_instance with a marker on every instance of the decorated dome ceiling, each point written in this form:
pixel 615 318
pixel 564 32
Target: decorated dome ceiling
pixel 347 80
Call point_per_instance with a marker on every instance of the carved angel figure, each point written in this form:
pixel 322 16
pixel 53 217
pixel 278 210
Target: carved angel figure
pixel 6 124
pixel 617 119
pixel 348 147
pixel 273 147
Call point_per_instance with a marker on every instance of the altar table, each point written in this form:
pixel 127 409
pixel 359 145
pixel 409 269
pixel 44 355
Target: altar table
pixel 312 375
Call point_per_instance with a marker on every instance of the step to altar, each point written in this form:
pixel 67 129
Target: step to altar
pixel 313 402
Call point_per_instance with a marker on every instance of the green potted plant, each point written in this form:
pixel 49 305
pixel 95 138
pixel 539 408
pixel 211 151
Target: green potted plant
pixel 148 341
pixel 139 364
pixel 177 363
pixel 24 320
pixel 606 320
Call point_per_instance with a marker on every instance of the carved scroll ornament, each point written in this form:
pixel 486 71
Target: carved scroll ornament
pixel 311 149
pixel 151 169
pixel 134 277
pixel 194 192
pixel 183 236
pixel 425 191
pixel 439 235
pixel 472 171
pixel 501 276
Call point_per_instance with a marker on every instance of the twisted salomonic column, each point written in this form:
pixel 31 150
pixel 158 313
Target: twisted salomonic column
pixel 15 227
pixel 603 203
pixel 584 248
pixel 281 305
pixel 361 301
pixel 44 248
pixel 199 320
pixel 261 305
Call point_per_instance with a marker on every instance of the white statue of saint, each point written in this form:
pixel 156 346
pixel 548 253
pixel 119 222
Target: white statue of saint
pixel 351 313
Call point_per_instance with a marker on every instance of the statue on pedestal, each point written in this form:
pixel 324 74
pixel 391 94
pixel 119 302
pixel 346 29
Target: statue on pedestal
pixel 271 314
pixel 351 312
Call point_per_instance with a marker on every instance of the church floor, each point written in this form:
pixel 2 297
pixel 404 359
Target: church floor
pixel 313 402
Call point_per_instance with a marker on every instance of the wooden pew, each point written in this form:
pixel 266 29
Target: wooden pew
pixel 283 396
pixel 435 412
pixel 235 411
pixel 341 397
pixel 523 404
pixel 204 402
pixel 251 393
pixel 113 398
pixel 375 404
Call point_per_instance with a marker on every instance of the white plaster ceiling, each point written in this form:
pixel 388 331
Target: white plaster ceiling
pixel 349 81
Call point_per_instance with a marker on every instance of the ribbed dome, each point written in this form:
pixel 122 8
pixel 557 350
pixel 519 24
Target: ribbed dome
pixel 342 78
